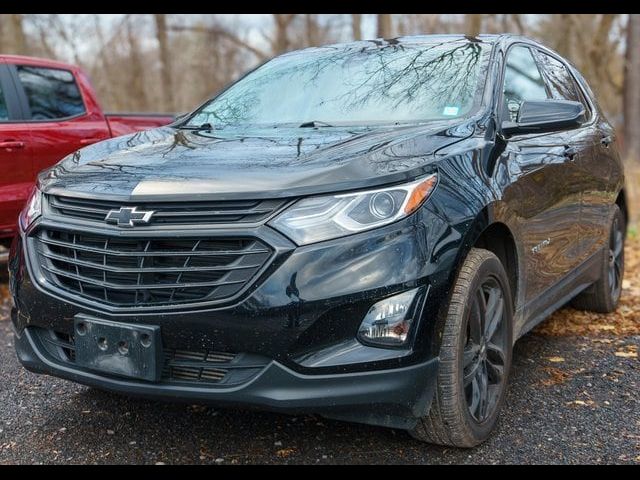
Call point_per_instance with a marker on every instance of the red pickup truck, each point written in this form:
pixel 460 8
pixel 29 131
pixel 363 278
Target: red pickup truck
pixel 47 110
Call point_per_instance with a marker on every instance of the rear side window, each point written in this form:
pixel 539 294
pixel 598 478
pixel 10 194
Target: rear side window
pixel 522 80
pixel 560 81
pixel 4 112
pixel 52 93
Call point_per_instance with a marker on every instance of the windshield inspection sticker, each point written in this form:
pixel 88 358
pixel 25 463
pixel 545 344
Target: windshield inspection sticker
pixel 450 111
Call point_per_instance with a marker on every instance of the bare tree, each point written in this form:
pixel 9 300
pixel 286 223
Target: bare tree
pixel 282 23
pixel 165 60
pixel 473 24
pixel 599 46
pixel 136 69
pixel 19 42
pixel 517 20
pixel 2 30
pixel 312 29
pixel 356 26
pixel 632 90
pixel 217 30
pixel 384 25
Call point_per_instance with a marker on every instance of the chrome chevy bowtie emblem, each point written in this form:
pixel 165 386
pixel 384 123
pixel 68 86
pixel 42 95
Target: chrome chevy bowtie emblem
pixel 129 217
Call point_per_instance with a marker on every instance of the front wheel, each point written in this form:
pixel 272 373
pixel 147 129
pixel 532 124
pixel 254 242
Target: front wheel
pixel 475 356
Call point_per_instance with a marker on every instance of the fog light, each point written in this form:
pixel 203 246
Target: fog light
pixel 389 321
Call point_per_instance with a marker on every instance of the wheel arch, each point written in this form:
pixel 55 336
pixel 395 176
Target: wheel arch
pixel 621 201
pixel 498 239
pixel 494 229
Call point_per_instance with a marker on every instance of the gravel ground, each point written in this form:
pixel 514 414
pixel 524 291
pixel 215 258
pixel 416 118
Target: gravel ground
pixel 571 400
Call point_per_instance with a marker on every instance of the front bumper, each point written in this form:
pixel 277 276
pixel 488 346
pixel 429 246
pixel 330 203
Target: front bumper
pixel 394 398
pixel 302 317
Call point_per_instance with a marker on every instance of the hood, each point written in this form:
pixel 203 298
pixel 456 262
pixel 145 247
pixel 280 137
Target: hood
pixel 250 163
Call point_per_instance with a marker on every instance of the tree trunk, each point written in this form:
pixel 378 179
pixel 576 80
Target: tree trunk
pixel 517 20
pixel 384 25
pixel 401 26
pixel 564 41
pixel 137 83
pixel 312 30
pixel 281 41
pixel 165 61
pixel 632 90
pixel 105 64
pixel 473 24
pixel 2 30
pixel 17 34
pixel 600 42
pixel 356 26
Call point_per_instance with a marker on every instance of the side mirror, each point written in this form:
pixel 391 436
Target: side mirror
pixel 545 116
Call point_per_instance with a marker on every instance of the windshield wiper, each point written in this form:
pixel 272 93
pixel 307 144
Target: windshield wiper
pixel 315 123
pixel 204 126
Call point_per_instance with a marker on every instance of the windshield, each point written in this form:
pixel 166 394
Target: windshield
pixel 391 83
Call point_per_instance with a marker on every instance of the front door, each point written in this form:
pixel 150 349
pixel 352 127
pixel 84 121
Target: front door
pixel 545 188
pixel 16 168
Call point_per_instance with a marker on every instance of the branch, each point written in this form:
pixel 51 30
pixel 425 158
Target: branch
pixel 222 33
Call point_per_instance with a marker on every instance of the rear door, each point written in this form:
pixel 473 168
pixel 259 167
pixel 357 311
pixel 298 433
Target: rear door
pixel 544 192
pixel 16 167
pixel 60 119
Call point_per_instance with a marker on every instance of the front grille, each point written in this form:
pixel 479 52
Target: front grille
pixel 170 213
pixel 141 272
pixel 180 366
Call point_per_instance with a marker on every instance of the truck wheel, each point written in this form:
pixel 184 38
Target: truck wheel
pixel 475 356
pixel 603 296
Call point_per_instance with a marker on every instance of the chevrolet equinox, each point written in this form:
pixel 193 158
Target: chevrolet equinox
pixel 359 230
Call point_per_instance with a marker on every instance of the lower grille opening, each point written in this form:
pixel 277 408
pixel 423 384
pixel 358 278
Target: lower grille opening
pixel 180 366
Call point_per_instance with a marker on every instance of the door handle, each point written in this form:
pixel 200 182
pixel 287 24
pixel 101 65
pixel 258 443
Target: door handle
pixel 89 141
pixel 10 144
pixel 570 152
pixel 606 141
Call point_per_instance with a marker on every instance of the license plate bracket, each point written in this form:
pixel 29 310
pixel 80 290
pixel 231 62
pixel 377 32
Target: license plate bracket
pixel 124 349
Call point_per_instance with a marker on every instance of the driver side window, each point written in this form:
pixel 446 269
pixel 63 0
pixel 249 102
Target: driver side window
pixel 522 81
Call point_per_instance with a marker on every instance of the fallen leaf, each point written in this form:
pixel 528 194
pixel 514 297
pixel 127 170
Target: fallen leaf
pixel 605 327
pixel 285 452
pixel 556 376
pixel 626 354
pixel 581 402
pixel 556 359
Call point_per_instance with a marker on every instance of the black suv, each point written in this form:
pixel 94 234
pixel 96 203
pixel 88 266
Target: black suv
pixel 359 230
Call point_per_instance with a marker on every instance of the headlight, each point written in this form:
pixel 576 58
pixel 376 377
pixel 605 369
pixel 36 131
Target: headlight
pixel 32 209
pixel 321 218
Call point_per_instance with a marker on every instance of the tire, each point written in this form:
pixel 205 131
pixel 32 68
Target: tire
pixel 450 420
pixel 603 295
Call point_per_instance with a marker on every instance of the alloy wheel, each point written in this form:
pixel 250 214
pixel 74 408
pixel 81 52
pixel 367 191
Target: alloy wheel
pixel 484 351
